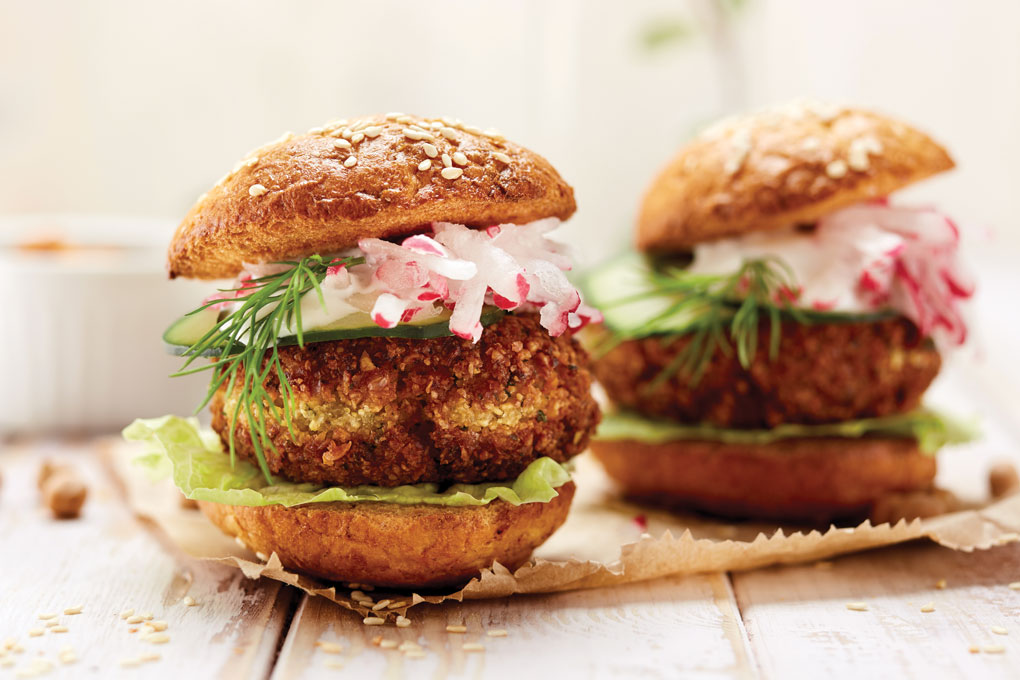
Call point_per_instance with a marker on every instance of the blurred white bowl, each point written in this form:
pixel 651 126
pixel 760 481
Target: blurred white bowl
pixel 81 348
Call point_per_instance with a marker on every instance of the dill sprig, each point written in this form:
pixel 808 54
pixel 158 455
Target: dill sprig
pixel 246 340
pixel 718 313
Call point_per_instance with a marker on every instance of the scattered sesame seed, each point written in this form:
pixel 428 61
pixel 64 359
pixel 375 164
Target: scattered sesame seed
pixel 316 130
pixel 460 158
pixel 146 616
pixel 810 144
pixel 67 656
pixel 451 173
pixel 388 644
pixel 358 595
pixel 1015 585
pixel 71 611
pixel 341 144
pixel 447 162
pixel 973 649
pixel 493 134
pixel 403 622
pixel 9 643
pixel 452 628
pixel 941 584
pixel 473 647
pixel 417 135
pixel 135 619
pixel 406 120
pixel 253 190
pixel 449 133
pixel 35 632
pixel 430 150
pixel 262 556
pixel 47 616
pixel 836 169
pixel 7 662
pixel 398 604
pixel 351 161
pixel 126 613
pixel 347 133
pixel 999 630
pixel 994 649
pixel 381 604
pixel 394 115
pixel 928 608
pixel 414 654
pixel 329 647
pixel 373 131
pixel 150 656
pixel 497 632
pixel 473 129
pixel 157 625
pixel 409 645
pixel 501 157
pixel 373 621
pixel 857 606
pixel 358 137
pixel 58 629
pixel 189 601
pixel 424 165
pixel 335 665
pixel 130 662
pixel 157 638
pixel 17 649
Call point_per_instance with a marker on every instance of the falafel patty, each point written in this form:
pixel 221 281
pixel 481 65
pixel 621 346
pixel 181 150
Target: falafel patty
pixel 392 411
pixel 824 373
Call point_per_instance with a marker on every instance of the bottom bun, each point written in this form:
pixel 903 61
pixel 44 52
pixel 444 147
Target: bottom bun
pixel 395 546
pixel 811 480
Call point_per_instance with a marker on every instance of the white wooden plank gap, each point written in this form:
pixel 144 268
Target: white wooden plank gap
pixel 675 627
pixel 799 625
pixel 108 562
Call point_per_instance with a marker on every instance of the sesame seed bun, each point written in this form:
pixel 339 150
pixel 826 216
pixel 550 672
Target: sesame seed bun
pixel 800 480
pixel 377 176
pixel 395 546
pixel 778 168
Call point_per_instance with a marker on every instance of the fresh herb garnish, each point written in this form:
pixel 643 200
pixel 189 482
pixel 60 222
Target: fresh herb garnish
pixel 247 337
pixel 717 312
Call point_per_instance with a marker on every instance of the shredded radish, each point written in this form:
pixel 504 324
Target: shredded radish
pixel 866 257
pixel 513 267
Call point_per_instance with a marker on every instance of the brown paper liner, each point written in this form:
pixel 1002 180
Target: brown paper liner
pixel 604 542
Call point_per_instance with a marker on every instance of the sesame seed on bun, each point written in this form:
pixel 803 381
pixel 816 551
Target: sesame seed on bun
pixel 781 167
pixel 370 177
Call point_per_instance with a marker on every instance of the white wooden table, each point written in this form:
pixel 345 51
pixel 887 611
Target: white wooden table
pixel 784 622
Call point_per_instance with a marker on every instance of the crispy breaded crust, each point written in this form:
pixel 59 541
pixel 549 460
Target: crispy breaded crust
pixel 298 196
pixel 800 480
pixel 780 167
pixel 395 546
pixel 391 411
pixel 823 373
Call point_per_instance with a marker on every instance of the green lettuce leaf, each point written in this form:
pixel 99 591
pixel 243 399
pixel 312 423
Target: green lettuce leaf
pixel 202 471
pixel 931 430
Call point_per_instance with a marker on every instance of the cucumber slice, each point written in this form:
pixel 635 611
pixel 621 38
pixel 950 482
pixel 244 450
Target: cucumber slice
pixel 188 330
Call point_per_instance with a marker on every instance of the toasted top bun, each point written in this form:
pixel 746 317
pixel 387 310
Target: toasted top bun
pixel 377 176
pixel 780 167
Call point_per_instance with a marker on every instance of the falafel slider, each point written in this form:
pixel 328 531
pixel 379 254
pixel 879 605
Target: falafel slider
pixel 395 385
pixel 768 351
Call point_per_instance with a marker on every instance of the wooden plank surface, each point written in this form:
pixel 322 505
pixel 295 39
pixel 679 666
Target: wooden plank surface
pixel 108 562
pixel 674 627
pixel 797 619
